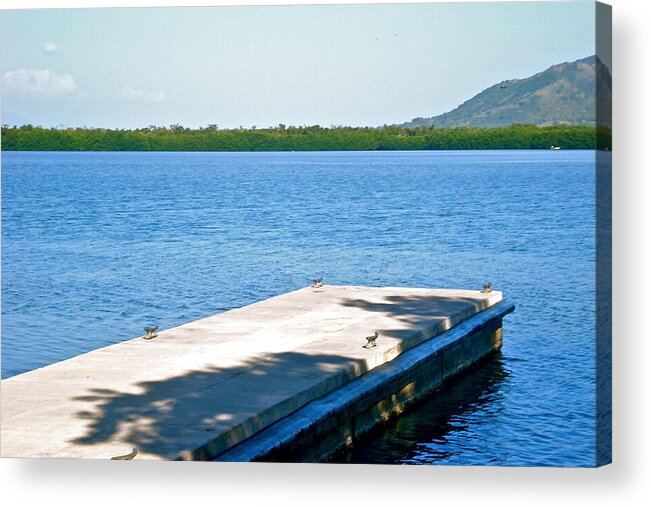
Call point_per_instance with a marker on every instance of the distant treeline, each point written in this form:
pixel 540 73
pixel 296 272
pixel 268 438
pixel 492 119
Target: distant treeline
pixel 312 138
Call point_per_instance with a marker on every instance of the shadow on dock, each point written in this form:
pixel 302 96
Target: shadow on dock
pixel 415 310
pixel 164 413
pixel 176 415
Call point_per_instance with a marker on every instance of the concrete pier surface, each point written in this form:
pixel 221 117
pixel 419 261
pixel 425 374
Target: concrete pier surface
pixel 202 389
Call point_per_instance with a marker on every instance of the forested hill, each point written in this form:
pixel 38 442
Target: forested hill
pixel 566 93
pixel 314 138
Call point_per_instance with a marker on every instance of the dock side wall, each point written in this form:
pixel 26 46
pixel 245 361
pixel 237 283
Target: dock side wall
pixel 343 428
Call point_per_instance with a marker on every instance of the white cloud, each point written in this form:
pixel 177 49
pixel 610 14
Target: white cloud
pixel 38 83
pixel 50 47
pixel 136 95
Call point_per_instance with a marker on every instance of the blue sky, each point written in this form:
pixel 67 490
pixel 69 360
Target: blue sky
pixel 299 65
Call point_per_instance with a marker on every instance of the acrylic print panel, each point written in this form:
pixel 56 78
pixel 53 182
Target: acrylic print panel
pixel 333 233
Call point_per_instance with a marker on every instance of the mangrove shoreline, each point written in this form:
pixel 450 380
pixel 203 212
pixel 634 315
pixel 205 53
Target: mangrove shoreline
pixel 309 138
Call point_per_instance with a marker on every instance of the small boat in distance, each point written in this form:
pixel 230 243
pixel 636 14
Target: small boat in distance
pixel 554 147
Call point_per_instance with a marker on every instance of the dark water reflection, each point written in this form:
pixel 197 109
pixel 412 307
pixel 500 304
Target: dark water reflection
pixel 436 429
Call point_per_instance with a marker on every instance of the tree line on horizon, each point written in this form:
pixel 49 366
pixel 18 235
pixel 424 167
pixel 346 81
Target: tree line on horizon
pixel 308 138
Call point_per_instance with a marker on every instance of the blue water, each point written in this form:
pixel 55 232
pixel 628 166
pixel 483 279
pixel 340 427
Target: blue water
pixel 97 245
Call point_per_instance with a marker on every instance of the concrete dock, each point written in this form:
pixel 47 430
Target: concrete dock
pixel 245 384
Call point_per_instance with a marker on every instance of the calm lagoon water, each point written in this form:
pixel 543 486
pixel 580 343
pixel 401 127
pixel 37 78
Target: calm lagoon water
pixel 96 245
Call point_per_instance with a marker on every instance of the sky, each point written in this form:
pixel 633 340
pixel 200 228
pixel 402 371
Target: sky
pixel 357 65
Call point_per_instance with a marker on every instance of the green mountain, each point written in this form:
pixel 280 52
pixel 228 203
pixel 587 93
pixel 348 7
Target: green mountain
pixel 563 94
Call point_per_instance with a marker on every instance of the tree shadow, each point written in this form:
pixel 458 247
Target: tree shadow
pixel 200 413
pixel 203 410
pixel 420 311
